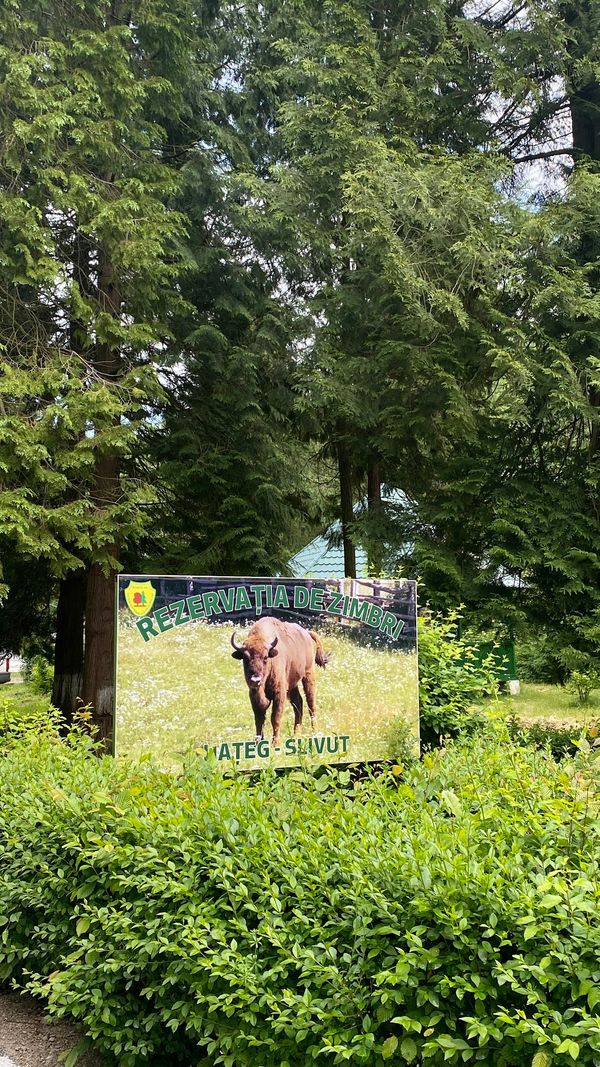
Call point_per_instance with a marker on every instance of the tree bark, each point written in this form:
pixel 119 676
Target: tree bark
pixel 99 661
pixel 68 648
pixel 99 671
pixel 376 548
pixel 346 508
pixel 584 104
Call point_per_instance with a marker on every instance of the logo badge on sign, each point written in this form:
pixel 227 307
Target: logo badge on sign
pixel 139 597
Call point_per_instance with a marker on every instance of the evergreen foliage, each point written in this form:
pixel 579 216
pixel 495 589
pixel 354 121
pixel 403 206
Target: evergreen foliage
pixel 89 249
pixel 455 682
pixel 396 239
pixel 249 252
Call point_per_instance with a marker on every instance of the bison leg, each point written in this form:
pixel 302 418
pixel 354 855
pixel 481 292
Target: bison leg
pixel 310 691
pixel 296 701
pixel 259 722
pixel 259 706
pixel 276 717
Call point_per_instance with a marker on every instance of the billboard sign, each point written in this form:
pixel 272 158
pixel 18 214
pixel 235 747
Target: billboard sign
pixel 265 670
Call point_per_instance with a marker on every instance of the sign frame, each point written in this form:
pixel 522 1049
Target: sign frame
pixel 374 621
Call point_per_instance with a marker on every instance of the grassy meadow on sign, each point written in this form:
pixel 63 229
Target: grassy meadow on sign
pixel 185 690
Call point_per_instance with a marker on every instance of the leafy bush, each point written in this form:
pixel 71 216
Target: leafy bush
pixel 39 673
pixel 582 684
pixel 206 919
pixel 401 742
pixel 453 680
pixel 540 657
pixel 549 654
pixel 560 738
pixel 26 718
pixel 582 652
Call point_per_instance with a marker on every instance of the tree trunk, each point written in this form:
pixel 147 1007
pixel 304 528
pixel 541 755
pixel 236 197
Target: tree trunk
pixel 70 613
pixel 346 508
pixel 68 649
pixel 99 672
pixel 376 548
pixel 99 665
pixel 584 104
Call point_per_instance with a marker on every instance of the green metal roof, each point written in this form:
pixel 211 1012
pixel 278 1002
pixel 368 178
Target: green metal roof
pixel 319 560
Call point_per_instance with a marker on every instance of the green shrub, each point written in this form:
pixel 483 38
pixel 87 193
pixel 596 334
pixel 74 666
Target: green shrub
pixel 296 920
pixel 549 655
pixel 401 743
pixel 540 657
pixel 39 673
pixel 25 717
pixel 582 684
pixel 453 680
pixel 559 738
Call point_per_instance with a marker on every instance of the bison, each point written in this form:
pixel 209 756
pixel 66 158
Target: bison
pixel 277 657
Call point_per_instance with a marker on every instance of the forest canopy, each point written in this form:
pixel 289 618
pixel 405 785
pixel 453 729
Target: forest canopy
pixel 267 267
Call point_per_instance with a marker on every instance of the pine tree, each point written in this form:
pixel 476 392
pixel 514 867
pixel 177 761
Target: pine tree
pixel 529 480
pixel 237 489
pixel 90 248
pixel 390 221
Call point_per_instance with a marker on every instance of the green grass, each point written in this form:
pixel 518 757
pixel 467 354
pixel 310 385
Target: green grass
pixel 22 709
pixel 166 706
pixel 184 690
pixel 553 702
pixel 22 700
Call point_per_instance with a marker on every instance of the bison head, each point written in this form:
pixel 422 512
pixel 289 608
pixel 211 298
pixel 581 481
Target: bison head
pixel 255 655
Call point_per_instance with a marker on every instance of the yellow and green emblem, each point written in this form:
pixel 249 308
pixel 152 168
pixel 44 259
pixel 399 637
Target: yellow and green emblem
pixel 139 597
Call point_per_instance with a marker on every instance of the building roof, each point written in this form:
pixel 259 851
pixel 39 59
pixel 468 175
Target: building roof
pixel 324 556
pixel 319 559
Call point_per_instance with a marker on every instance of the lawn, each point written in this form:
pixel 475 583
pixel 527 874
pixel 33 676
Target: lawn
pixel 19 700
pixel 172 693
pixel 185 690
pixel 553 703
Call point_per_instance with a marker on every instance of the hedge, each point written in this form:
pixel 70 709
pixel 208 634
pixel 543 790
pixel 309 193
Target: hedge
pixel 560 738
pixel 443 915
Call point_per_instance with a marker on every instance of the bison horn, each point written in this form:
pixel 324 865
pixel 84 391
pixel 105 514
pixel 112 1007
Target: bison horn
pixel 238 648
pixel 273 643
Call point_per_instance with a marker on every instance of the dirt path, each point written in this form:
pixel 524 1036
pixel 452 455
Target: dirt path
pixel 28 1040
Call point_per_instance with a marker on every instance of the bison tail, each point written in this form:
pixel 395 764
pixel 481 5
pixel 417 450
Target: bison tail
pixel 321 656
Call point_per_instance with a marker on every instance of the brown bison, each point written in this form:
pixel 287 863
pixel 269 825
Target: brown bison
pixel 277 656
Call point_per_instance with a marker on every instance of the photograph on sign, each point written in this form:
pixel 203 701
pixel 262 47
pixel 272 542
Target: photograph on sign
pixel 266 670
